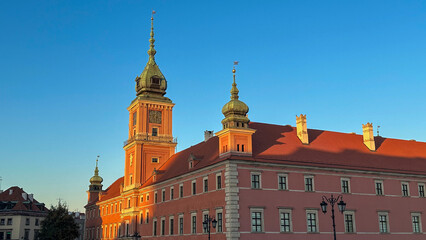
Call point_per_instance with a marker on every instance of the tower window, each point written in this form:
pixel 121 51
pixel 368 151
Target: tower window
pixel 242 147
pixel 134 118
pixel 154 160
pixel 154 131
pixel 238 147
pixel 155 80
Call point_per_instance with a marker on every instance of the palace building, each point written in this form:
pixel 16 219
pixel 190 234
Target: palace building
pixel 255 180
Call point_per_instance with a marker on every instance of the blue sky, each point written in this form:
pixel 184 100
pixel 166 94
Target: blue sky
pixel 67 71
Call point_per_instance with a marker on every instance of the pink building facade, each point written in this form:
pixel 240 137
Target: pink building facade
pixel 256 180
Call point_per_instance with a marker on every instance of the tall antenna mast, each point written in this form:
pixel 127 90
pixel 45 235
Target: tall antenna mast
pixel 1 179
pixel 378 130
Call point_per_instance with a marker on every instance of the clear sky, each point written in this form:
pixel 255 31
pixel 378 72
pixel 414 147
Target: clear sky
pixel 67 71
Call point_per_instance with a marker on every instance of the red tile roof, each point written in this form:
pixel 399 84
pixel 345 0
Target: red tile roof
pixel 280 144
pixel 15 196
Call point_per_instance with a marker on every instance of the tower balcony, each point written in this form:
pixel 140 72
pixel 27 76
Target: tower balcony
pixel 149 138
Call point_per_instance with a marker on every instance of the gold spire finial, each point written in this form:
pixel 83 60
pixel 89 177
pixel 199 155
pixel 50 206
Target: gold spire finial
pixel 96 168
pixel 151 51
pixel 234 89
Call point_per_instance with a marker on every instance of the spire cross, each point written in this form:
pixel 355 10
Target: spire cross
pixel 151 51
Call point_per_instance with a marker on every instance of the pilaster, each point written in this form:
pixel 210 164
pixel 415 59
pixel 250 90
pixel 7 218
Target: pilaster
pixel 232 199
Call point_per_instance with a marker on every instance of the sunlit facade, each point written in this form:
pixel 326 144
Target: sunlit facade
pixel 257 180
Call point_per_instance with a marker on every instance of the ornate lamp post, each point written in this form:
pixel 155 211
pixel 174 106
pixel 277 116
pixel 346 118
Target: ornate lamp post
pixel 332 200
pixel 207 222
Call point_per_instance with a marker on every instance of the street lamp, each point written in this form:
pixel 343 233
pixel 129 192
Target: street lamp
pixel 332 200
pixel 206 224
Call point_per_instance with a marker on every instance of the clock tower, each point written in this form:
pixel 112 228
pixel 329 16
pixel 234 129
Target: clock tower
pixel 150 142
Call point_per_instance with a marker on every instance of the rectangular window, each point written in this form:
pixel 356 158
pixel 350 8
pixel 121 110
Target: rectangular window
pixel 154 223
pixel 256 221
pixel 155 197
pixel 181 225
pixel 27 221
pixel 282 182
pixel 349 222
pixel 154 160
pixel 383 223
pixel 206 184
pixel 9 221
pixel 154 132
pixel 417 227
pixel 311 217
pixel 141 217
pixel 163 226
pixel 134 118
pixel 309 184
pixel 285 220
pixel 205 218
pixel 194 224
pixel 163 195
pixel 404 188
pixel 2 221
pixel 219 220
pixel 27 234
pixel 345 185
pixel 379 187
pixel 147 217
pixel 141 200
pixel 172 195
pixel 171 225
pixel 194 187
pixel 218 181
pixel 255 180
pixel 181 191
pixel 421 190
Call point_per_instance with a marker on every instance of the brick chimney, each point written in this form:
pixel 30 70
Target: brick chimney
pixel 368 136
pixel 302 129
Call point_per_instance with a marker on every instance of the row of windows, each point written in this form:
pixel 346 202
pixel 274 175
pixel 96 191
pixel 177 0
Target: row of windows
pixel 180 225
pixel 345 185
pixel 3 221
pixel 28 221
pixel 257 223
pixel 116 207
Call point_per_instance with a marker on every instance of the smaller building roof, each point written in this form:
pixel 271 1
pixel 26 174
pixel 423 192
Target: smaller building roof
pixel 16 199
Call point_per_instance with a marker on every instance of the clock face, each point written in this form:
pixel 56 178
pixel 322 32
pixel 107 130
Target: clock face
pixel 155 116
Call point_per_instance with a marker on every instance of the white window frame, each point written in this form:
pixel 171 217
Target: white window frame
pixel 204 184
pixel 310 211
pixel 155 197
pixel 375 187
pixel 172 189
pixel 155 225
pixel 387 221
pixel 402 189
pixel 262 219
pixel 142 198
pixel 170 226
pixel 283 211
pixel 418 189
pixel 147 216
pixel 419 215
pixel 286 180
pixel 348 212
pixel 158 159
pixel 251 180
pixel 183 224
pixel 221 181
pixel 163 195
pixel 181 185
pixel 219 210
pixel 205 213
pixel 349 184
pixel 192 223
pixel 313 183
pixel 162 227
pixel 194 191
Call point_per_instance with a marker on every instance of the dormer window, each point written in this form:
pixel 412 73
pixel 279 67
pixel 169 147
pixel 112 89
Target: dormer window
pixel 155 82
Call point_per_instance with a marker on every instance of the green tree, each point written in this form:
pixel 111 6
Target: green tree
pixel 58 224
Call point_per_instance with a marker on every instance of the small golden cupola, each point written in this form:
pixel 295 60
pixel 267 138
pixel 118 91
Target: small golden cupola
pixel 151 83
pixel 96 180
pixel 236 136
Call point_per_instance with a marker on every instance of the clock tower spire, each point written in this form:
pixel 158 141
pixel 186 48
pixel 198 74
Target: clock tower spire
pixel 150 141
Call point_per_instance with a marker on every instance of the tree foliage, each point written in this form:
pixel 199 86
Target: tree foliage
pixel 58 224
